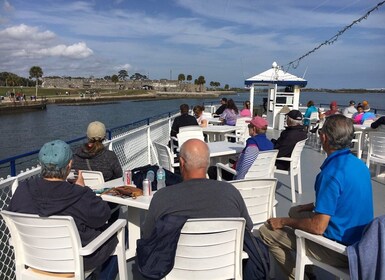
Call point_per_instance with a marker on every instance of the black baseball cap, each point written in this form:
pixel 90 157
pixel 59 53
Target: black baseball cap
pixel 295 115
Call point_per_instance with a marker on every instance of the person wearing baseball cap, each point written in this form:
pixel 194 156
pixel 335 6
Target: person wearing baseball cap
pixel 257 142
pixel 51 194
pixel 350 110
pixel 293 133
pixel 94 156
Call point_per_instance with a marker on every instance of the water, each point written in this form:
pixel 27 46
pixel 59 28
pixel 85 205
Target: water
pixel 28 131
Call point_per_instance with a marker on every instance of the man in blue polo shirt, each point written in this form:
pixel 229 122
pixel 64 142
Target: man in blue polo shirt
pixel 343 207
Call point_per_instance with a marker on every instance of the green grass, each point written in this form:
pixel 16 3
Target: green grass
pixel 53 92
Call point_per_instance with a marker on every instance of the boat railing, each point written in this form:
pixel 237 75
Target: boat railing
pixel 132 144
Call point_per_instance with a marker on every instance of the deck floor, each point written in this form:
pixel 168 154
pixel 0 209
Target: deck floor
pixel 311 160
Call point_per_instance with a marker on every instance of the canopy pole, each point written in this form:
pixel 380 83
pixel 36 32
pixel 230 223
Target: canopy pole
pixel 252 100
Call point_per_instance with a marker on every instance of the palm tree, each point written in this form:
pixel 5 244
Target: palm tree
pixel 189 78
pixel 36 72
pixel 201 82
pixel 181 77
pixel 123 74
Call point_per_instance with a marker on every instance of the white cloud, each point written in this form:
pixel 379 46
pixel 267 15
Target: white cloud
pixel 79 50
pixel 25 33
pixel 126 66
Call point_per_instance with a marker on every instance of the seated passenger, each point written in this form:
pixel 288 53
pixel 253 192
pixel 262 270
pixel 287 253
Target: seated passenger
pixel 230 114
pixel 94 156
pixel 343 183
pixel 357 117
pixel 350 110
pixel 367 114
pixel 293 133
pixel 200 118
pixel 379 122
pixel 185 119
pixel 245 112
pixel 310 109
pixel 257 142
pixel 51 194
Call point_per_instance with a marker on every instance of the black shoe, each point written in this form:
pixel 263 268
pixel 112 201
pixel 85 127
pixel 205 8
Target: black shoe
pixel 314 130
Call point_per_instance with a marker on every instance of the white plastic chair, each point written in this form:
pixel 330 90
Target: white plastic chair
pixel 313 119
pixel 93 179
pixel 183 136
pixel 190 128
pixel 165 157
pixel 259 197
pixel 48 246
pixel 295 168
pixel 241 134
pixel 357 144
pixel 262 167
pixel 209 249
pixel 303 259
pixel 376 150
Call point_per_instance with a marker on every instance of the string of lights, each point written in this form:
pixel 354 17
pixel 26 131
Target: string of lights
pixel 294 64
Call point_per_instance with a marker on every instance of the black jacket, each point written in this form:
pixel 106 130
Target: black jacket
pixel 286 142
pixel 47 198
pixel 182 120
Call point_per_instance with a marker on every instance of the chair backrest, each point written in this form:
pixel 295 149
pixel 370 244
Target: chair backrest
pixel 296 154
pixel 367 122
pixel 357 143
pixel 183 136
pixel 376 145
pixel 165 157
pixel 45 243
pixel 93 179
pixel 242 121
pixel 190 128
pixel 263 166
pixel 314 116
pixel 209 249
pixel 259 196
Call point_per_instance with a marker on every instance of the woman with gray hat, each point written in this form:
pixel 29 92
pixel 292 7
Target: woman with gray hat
pixel 94 156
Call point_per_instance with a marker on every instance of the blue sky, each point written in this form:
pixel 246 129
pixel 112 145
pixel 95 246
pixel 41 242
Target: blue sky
pixel 224 40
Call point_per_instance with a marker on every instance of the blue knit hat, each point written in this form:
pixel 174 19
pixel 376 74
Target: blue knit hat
pixel 56 153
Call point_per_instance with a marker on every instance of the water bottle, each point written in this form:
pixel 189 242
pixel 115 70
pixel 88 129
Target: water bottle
pixel 161 178
pixel 150 176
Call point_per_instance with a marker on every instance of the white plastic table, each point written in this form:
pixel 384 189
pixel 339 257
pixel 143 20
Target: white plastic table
pixel 137 209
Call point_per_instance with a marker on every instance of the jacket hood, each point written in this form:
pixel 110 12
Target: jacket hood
pixel 82 153
pixel 53 197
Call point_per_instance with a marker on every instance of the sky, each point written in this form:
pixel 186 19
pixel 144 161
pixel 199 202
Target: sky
pixel 226 41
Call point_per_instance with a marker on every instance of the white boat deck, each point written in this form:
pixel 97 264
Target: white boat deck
pixel 311 161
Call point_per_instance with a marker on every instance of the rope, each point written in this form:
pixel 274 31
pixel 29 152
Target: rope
pixel 294 64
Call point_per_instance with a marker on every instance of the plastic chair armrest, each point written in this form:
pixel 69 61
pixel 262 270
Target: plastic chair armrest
pixel 323 241
pixel 103 237
pixel 284 159
pixel 227 168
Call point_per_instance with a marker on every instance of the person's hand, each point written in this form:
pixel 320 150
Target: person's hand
pixel 80 180
pixel 275 223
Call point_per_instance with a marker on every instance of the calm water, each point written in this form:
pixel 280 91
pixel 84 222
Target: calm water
pixel 25 132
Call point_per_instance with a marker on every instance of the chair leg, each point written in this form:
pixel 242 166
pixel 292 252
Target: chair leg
pixel 292 186
pixel 121 254
pixel 299 180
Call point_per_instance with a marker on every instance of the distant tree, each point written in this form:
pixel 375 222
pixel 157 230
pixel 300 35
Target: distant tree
pixel 107 78
pixel 189 78
pixel 36 72
pixel 123 74
pixel 201 82
pixel 115 79
pixel 212 84
pixel 181 77
pixel 138 76
pixel 217 84
pixel 226 87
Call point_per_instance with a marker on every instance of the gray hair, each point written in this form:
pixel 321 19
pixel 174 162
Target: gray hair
pixel 293 122
pixel 339 130
pixel 195 160
pixel 51 171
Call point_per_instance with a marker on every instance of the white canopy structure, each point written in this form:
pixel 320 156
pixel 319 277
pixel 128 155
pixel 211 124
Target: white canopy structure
pixel 273 78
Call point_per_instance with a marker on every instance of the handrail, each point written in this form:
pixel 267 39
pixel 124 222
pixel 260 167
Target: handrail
pixel 110 133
